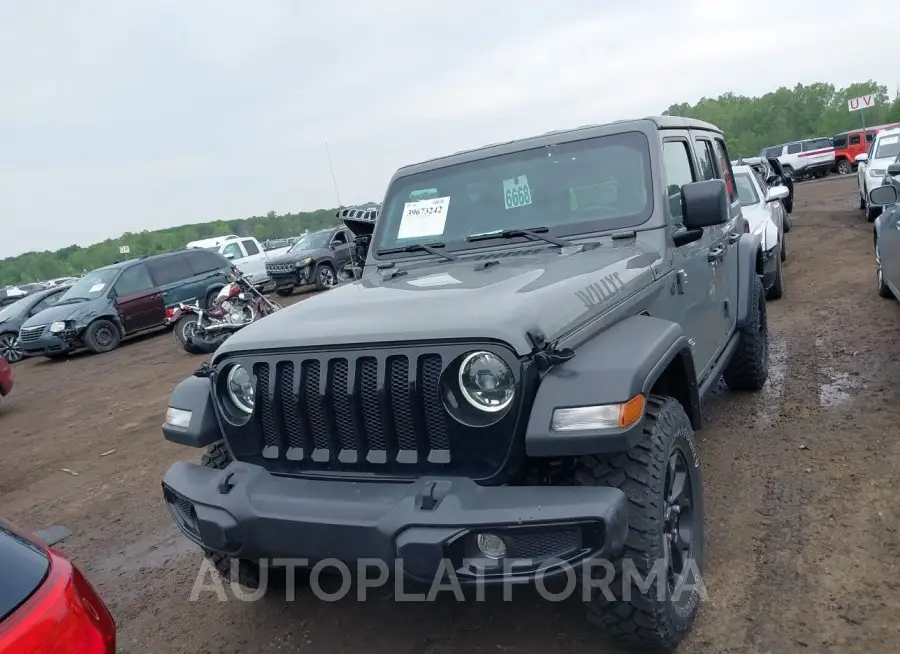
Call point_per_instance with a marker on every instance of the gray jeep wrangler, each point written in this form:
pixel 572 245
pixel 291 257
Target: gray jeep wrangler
pixel 512 386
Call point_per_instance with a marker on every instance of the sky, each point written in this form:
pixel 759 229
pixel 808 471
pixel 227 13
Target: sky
pixel 123 116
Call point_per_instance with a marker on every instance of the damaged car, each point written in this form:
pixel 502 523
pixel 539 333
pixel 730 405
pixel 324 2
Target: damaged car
pixel 315 259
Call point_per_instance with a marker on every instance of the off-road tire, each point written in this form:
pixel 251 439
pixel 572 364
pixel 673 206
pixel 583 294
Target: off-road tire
pixel 777 289
pixel 320 284
pixel 284 292
pixel 644 622
pixel 245 572
pixel 844 167
pixel 102 336
pixel 748 369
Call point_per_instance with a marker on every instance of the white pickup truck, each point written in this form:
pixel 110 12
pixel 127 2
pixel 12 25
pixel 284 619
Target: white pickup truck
pixel 246 252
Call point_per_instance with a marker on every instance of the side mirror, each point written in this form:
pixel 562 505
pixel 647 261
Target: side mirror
pixel 705 204
pixel 884 195
pixel 777 193
pixel 862 157
pixel 893 169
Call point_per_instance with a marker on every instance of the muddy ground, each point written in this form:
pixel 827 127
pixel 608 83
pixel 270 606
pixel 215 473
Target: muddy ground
pixel 801 490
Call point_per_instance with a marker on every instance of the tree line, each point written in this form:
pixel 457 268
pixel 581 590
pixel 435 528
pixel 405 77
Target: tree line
pixel 749 123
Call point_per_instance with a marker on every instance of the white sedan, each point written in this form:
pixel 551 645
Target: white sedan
pixel 763 209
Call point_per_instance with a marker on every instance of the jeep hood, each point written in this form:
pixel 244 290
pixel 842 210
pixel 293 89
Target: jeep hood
pixel 66 312
pixel 293 257
pixel 549 291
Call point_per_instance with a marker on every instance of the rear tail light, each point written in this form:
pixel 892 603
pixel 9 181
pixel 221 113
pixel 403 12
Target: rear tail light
pixel 65 612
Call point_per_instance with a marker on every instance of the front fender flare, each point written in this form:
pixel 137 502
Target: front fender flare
pixel 614 366
pixel 194 394
pixel 748 254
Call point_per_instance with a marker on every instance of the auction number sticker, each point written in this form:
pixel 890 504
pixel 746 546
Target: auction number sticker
pixel 516 192
pixel 96 288
pixel 424 218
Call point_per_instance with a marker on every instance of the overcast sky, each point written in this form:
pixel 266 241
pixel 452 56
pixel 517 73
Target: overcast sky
pixel 123 115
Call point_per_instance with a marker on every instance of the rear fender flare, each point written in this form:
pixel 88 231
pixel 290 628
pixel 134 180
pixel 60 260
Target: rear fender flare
pixel 628 359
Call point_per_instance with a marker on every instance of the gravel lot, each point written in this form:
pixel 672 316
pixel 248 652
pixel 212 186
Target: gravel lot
pixel 801 487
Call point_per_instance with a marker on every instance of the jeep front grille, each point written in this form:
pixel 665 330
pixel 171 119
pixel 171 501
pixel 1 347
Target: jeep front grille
pixel 365 412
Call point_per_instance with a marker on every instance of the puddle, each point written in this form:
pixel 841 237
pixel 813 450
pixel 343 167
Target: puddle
pixel 773 391
pixel 837 390
pixel 152 552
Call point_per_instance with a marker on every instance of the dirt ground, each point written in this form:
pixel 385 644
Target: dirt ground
pixel 801 487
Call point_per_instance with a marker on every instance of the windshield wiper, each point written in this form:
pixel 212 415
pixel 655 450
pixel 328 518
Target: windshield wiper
pixel 72 300
pixel 532 234
pixel 431 248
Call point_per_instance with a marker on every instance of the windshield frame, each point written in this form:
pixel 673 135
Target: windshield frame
pixel 424 176
pixel 756 194
pixel 107 276
pixel 326 235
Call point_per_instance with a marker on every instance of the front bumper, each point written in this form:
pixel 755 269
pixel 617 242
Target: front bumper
pixel 246 512
pixel 297 277
pixel 49 343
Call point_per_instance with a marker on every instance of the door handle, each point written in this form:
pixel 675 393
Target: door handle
pixel 716 254
pixel 734 237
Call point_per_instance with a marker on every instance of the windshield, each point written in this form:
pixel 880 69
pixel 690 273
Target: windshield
pixel 593 184
pixel 888 147
pixel 313 241
pixel 746 189
pixel 91 286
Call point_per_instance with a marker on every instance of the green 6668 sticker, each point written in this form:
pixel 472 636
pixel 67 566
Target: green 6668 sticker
pixel 516 192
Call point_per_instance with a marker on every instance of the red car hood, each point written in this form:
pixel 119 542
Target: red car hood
pixel 6 377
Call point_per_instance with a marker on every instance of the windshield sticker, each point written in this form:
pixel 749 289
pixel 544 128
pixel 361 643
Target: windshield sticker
pixel 434 280
pixel 592 196
pixel 423 218
pixel 423 194
pixel 889 140
pixel 96 288
pixel 516 192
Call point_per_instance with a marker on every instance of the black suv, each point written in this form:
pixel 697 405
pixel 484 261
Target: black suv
pixel 123 299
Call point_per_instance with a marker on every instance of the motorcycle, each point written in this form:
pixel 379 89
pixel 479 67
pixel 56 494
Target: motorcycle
pixel 238 304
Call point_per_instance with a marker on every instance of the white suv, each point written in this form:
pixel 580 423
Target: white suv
pixel 872 170
pixel 806 158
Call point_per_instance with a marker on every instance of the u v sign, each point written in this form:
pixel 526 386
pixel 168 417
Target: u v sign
pixel 862 102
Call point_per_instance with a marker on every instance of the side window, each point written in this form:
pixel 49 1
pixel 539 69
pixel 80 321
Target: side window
pixel 203 261
pixel 43 304
pixel 232 251
pixel 725 169
pixel 170 270
pixel 870 136
pixel 677 164
pixel 854 139
pixel 705 160
pixel 773 153
pixel 250 246
pixel 340 238
pixel 133 280
pixel 793 148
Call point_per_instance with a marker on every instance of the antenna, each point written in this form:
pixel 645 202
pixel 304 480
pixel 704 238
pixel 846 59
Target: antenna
pixel 333 178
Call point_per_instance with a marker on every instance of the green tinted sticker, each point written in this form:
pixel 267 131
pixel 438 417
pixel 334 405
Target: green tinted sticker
pixel 423 194
pixel 516 192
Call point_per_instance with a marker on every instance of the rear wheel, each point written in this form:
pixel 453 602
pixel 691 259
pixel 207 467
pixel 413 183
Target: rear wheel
pixel 862 202
pixel 10 348
pixel 883 289
pixel 661 478
pixel 777 289
pixel 185 329
pixel 748 369
pixel 102 336
pixel 844 167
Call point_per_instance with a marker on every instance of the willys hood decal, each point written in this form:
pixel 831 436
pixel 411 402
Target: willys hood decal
pixel 550 291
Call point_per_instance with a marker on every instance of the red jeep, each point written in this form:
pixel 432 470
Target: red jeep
pixel 849 144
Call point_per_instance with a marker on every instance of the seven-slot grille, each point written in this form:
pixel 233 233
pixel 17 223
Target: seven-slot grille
pixel 377 411
pixel 28 334
pixel 281 267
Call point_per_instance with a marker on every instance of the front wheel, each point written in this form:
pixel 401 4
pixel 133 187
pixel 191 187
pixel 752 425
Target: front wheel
pixel 10 348
pixel 185 329
pixel 102 336
pixel 324 277
pixel 285 292
pixel 872 213
pixel 656 593
pixel 883 289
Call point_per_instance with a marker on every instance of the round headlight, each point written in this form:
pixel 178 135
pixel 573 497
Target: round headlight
pixel 239 383
pixel 486 381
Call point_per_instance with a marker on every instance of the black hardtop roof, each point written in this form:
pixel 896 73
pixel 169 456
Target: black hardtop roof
pixel 557 136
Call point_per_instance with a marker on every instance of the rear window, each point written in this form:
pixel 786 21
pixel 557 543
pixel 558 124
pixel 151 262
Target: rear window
pixel 169 270
pixel 841 141
pixel 887 147
pixel 571 188
pixel 816 144
pixel 204 261
pixel 24 567
pixel 746 190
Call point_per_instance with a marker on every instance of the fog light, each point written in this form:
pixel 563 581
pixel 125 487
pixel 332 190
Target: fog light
pixel 492 546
